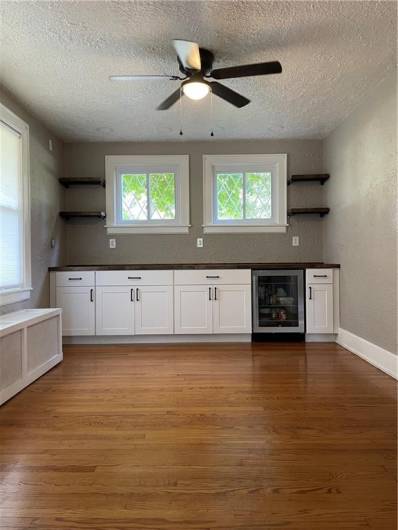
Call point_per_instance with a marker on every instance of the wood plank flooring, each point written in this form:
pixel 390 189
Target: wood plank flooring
pixel 201 437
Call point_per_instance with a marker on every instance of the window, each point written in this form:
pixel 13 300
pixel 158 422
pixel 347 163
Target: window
pixel 244 193
pixel 15 276
pixel 147 194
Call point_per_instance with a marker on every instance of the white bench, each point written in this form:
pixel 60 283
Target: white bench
pixel 30 345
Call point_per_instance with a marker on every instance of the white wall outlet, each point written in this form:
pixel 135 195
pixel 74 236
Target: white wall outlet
pixel 52 243
pixel 199 242
pixel 50 144
pixel 112 243
pixel 295 241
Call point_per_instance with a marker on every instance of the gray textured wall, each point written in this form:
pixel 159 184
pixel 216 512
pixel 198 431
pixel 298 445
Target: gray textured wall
pixel 46 200
pixel 361 230
pixel 87 242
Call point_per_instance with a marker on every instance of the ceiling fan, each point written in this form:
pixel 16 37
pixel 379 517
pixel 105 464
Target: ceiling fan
pixel 196 64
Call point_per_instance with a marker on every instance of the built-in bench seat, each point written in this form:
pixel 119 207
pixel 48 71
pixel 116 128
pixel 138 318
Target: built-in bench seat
pixel 30 345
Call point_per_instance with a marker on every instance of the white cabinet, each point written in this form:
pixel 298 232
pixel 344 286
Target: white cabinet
pixel 78 310
pixel 154 310
pixel 114 310
pixel 232 309
pixel 164 302
pixel 212 301
pixel 319 301
pixel 136 308
pixel 193 309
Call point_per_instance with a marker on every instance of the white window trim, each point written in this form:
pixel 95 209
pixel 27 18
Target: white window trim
pixel 18 294
pixel 180 225
pixel 276 163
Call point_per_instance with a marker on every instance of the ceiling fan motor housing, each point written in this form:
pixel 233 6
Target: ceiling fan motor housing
pixel 206 59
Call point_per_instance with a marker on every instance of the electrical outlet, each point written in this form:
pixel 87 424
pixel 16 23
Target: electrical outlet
pixel 295 241
pixel 199 242
pixel 50 144
pixel 52 243
pixel 112 243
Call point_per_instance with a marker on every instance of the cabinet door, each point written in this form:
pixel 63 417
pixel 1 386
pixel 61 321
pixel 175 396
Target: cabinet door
pixel 193 309
pixel 319 308
pixel 232 309
pixel 78 310
pixel 115 310
pixel 154 310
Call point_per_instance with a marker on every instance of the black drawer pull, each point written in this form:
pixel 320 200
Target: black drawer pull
pixel 215 277
pixel 75 278
pixel 131 295
pixel 137 294
pixel 209 293
pixel 134 277
pixel 310 297
pixel 91 295
pixel 215 293
pixel 320 275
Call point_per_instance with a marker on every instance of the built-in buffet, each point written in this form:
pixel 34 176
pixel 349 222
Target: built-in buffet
pixel 220 303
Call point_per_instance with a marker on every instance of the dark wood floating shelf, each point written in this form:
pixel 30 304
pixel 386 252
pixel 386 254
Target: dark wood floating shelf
pixel 319 177
pixel 308 211
pixel 67 182
pixel 70 215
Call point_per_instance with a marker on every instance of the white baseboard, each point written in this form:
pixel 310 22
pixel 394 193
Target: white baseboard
pixel 156 339
pixel 373 354
pixel 320 337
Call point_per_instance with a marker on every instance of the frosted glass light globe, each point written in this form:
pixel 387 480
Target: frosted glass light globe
pixel 195 90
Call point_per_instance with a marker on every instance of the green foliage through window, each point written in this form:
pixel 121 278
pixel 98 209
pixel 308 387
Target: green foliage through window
pixel 148 196
pixel 243 196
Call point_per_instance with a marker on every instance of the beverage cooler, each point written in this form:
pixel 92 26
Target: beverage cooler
pixel 278 301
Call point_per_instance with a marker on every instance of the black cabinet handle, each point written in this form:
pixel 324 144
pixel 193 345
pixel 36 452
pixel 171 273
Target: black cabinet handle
pixel 131 295
pixel 215 277
pixel 75 278
pixel 320 275
pixel 134 277
pixel 137 294
pixel 215 293
pixel 91 295
pixel 310 297
pixel 209 293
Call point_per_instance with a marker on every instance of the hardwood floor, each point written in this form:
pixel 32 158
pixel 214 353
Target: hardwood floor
pixel 203 437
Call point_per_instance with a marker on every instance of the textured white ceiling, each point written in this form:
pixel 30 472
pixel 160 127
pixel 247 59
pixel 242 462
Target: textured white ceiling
pixel 56 58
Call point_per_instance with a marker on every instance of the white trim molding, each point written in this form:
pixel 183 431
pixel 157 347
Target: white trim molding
pixel 178 164
pixel 22 291
pixel 276 164
pixel 373 354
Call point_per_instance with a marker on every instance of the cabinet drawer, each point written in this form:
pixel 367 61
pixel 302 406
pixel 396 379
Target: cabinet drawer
pixel 213 277
pixel 75 278
pixel 319 276
pixel 134 278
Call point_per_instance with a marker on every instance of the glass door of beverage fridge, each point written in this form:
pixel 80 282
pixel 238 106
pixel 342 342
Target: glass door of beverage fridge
pixel 278 301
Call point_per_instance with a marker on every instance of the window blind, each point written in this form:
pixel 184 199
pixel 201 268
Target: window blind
pixel 11 209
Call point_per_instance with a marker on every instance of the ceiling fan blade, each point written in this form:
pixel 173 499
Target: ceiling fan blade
pixel 141 77
pixel 229 95
pixel 188 53
pixel 169 102
pixel 247 70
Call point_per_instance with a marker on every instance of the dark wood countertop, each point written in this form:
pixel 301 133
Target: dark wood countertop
pixel 179 266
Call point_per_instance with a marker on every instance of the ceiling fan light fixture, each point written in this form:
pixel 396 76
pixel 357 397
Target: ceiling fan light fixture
pixel 195 89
